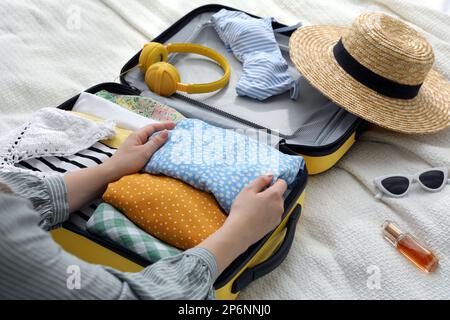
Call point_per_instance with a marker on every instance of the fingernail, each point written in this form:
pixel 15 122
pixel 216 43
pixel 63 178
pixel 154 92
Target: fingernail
pixel 164 134
pixel 269 175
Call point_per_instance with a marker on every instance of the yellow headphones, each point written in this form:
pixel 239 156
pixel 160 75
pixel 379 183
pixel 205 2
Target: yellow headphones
pixel 164 79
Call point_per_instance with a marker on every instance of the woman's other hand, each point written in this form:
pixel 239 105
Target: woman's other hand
pixel 255 212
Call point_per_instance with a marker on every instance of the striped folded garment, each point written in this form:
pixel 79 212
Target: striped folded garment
pixel 253 43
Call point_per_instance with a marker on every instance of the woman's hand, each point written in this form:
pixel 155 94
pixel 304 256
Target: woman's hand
pixel 88 184
pixel 255 212
pixel 137 150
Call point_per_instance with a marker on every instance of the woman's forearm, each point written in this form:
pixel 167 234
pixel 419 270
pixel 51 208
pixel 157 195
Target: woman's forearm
pixel 226 246
pixel 86 185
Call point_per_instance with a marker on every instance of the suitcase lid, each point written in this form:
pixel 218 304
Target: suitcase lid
pixel 311 125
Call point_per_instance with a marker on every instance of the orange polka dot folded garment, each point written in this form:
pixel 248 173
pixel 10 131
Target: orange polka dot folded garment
pixel 168 209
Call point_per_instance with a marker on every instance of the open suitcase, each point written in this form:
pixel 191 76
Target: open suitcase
pixel 312 126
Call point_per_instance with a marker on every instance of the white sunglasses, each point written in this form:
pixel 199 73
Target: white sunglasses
pixel 432 180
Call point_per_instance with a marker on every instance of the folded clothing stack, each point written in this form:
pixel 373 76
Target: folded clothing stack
pixel 167 208
pixel 189 185
pixel 220 161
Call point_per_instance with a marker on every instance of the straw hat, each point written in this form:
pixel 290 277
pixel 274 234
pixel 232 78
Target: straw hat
pixel 380 69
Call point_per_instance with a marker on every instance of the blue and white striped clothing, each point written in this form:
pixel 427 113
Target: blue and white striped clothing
pixel 253 43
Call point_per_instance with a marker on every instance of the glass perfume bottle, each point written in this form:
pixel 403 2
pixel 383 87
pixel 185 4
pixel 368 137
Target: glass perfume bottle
pixel 408 246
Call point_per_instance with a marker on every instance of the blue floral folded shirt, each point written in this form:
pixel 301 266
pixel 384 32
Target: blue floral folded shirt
pixel 220 161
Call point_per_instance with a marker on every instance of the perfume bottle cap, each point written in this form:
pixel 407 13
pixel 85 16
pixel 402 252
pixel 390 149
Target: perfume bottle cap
pixel 391 232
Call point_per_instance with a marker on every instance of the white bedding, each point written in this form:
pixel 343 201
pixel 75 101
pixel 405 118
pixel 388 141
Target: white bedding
pixel 45 59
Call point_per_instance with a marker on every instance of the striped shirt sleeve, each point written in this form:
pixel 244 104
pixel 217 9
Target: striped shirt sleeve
pixel 47 195
pixel 59 200
pixel 35 267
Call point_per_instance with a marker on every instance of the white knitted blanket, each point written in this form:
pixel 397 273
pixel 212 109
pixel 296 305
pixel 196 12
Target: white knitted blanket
pixel 52 50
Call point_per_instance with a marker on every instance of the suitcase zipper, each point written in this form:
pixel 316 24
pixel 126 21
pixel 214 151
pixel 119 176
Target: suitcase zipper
pixel 331 126
pixel 322 137
pixel 217 111
pixel 231 116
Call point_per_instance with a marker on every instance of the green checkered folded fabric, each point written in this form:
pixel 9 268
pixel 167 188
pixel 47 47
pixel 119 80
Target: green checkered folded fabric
pixel 107 222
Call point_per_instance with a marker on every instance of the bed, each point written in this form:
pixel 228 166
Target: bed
pixel 51 51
